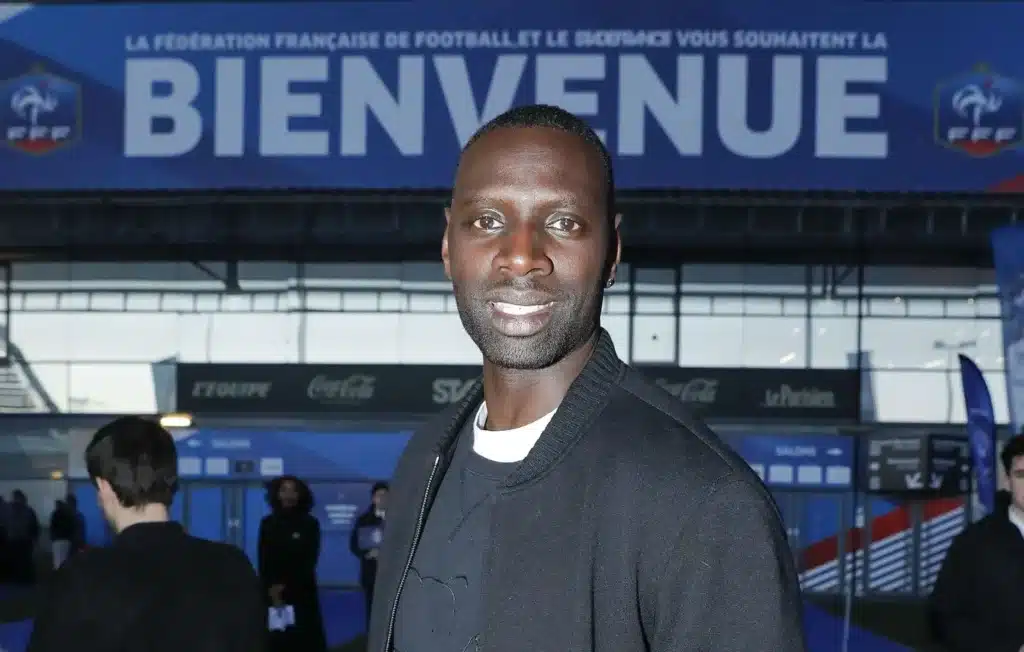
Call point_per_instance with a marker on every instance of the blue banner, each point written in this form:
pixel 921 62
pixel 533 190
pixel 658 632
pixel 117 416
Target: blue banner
pixel 1008 256
pixel 739 94
pixel 981 430
pixel 814 462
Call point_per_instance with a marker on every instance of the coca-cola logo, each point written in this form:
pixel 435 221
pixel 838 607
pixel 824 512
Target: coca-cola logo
pixel 787 397
pixel 353 389
pixel 703 391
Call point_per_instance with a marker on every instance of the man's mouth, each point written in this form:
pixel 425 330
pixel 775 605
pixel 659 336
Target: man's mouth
pixel 516 310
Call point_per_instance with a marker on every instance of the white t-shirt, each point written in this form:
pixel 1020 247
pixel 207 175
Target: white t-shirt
pixel 506 446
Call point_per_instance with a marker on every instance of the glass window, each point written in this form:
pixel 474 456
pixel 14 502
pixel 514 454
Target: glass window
pixel 414 338
pixel 743 341
pixel 618 328
pixel 711 341
pixel 942 281
pixel 777 280
pixel 654 339
pixel 932 396
pixel 97 387
pixel 908 343
pixel 833 342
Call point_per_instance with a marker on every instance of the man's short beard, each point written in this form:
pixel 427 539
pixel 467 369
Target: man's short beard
pixel 571 326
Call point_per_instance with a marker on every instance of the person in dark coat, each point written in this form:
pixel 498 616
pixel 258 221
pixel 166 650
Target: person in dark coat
pixel 976 603
pixel 155 588
pixel 289 548
pixel 371 521
pixel 62 529
pixel 22 538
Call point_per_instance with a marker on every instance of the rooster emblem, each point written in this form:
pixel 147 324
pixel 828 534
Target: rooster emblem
pixel 29 102
pixel 972 101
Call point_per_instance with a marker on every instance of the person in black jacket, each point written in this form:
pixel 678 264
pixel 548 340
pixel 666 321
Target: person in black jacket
pixel 62 531
pixel 976 603
pixel 567 503
pixel 155 588
pixel 289 549
pixel 22 537
pixel 367 533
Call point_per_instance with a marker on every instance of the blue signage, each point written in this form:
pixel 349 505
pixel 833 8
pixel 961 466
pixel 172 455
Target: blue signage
pixel 828 95
pixel 218 455
pixel 816 462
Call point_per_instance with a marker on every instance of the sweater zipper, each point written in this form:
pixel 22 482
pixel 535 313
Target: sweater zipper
pixel 412 553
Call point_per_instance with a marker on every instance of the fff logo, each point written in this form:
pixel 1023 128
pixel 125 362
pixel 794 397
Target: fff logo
pixel 979 113
pixel 41 113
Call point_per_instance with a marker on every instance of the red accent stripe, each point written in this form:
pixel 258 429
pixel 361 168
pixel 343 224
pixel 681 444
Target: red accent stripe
pixel 882 527
pixel 1015 184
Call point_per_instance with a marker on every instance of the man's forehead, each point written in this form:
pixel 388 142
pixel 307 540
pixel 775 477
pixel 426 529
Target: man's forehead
pixel 535 155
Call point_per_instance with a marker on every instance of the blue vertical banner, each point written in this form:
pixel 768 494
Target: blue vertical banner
pixel 981 430
pixel 1008 256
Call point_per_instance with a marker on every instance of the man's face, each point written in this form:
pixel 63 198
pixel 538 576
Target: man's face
pixel 529 245
pixel 1016 480
pixel 380 499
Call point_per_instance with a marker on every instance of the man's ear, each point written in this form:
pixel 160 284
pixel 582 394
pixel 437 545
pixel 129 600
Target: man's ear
pixel 616 249
pixel 104 490
pixel 444 243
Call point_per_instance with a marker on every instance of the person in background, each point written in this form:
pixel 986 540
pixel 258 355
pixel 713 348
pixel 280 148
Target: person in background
pixel 78 524
pixel 5 552
pixel 289 549
pixel 62 529
pixel 22 537
pixel 976 603
pixel 155 588
pixel 365 540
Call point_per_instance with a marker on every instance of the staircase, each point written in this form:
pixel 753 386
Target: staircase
pixel 20 389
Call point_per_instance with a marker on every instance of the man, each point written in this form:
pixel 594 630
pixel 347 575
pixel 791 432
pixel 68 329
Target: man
pixel 155 588
pixel 78 524
pixel 567 503
pixel 366 538
pixel 62 530
pixel 976 603
pixel 22 538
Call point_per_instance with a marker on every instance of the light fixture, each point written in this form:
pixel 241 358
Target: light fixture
pixel 56 474
pixel 176 420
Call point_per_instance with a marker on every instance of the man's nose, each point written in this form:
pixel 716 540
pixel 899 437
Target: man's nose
pixel 524 252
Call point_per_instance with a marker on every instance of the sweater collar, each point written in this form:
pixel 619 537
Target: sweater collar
pixel 585 399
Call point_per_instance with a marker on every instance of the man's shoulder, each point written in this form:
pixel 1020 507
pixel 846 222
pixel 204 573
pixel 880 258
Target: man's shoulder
pixel 226 558
pixel 658 421
pixel 981 532
pixel 645 424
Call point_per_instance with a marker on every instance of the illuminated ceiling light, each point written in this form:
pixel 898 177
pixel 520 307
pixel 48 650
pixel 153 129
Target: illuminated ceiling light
pixel 178 420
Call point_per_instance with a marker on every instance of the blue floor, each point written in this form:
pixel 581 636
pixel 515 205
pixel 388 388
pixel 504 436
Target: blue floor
pixel 344 620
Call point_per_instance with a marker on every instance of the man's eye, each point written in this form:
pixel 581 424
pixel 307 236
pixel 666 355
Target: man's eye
pixel 487 223
pixel 564 224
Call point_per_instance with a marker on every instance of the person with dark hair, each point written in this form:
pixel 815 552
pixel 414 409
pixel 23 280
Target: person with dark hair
pixel 976 602
pixel 62 526
pixel 365 540
pixel 289 549
pixel 155 588
pixel 526 517
pixel 22 538
pixel 78 524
